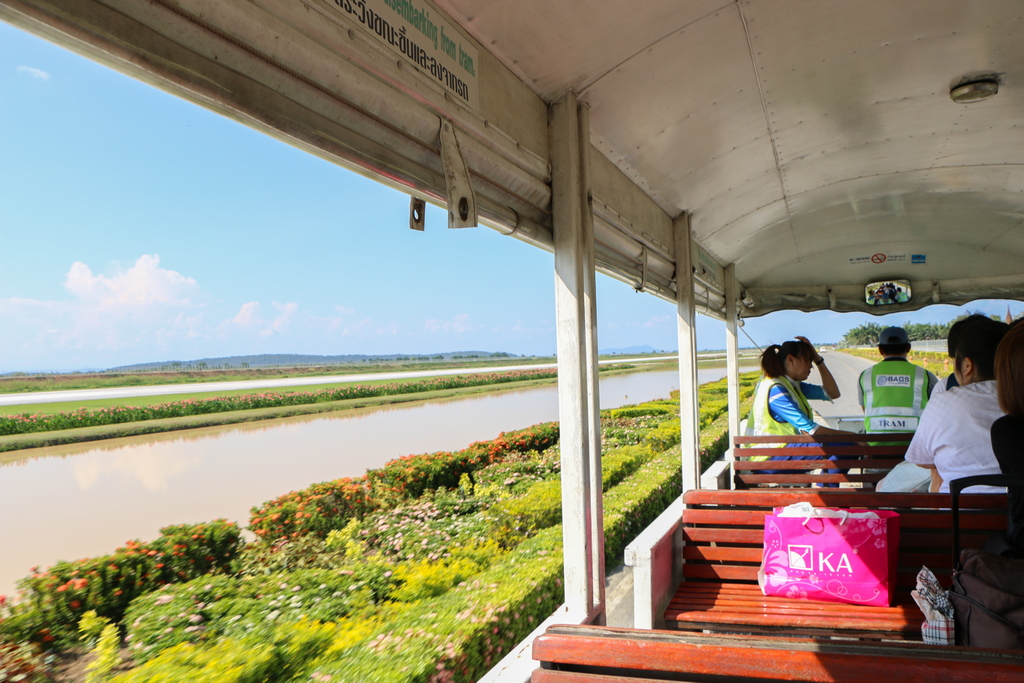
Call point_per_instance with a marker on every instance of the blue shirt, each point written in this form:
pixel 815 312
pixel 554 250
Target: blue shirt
pixel 784 408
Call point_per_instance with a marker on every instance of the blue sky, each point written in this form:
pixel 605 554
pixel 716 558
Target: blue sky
pixel 138 227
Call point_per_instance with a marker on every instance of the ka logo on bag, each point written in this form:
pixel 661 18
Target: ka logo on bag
pixel 802 557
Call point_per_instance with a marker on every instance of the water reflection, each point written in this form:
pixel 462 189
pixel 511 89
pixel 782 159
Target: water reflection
pixel 79 500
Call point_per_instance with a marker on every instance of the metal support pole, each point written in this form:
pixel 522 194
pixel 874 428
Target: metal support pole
pixel 689 416
pixel 732 361
pixel 582 521
pixel 593 385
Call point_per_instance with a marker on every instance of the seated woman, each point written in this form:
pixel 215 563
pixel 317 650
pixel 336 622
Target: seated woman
pixel 781 406
pixel 1008 431
pixel 953 438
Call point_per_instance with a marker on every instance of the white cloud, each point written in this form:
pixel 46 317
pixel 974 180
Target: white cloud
pixel 659 322
pixel 139 287
pixel 460 324
pixel 248 315
pixel 141 310
pixel 33 72
pixel 280 324
pixel 367 328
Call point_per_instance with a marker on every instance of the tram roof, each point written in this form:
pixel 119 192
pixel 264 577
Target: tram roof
pixel 814 145
pixel 804 138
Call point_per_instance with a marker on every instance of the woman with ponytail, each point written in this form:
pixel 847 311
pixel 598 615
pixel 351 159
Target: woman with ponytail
pixel 781 405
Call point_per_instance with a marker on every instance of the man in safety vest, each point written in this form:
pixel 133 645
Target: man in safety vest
pixel 893 394
pixel 894 391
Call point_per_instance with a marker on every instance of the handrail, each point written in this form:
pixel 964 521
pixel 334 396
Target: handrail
pixel 958 485
pixel 828 438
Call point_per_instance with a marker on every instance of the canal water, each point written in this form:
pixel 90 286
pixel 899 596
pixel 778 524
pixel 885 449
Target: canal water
pixel 69 502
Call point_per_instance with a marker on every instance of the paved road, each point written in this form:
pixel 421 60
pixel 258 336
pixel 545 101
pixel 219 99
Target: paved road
pixel 203 387
pixel 846 369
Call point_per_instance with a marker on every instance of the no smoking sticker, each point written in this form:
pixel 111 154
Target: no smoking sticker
pixel 878 259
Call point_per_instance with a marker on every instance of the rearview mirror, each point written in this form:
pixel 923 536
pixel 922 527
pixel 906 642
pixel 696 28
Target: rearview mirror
pixel 887 292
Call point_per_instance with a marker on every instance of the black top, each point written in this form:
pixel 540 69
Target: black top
pixel 1008 445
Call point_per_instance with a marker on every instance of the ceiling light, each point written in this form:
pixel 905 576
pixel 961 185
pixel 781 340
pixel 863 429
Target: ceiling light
pixel 974 92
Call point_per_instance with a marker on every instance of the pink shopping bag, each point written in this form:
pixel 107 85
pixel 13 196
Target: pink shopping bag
pixel 849 557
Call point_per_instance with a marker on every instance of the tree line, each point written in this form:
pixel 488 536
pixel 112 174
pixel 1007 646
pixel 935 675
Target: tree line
pixel 867 334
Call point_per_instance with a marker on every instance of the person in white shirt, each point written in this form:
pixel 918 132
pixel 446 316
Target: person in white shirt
pixel 953 438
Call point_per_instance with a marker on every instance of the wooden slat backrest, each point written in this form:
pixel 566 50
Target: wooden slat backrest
pixel 875 452
pixel 593 653
pixel 724 530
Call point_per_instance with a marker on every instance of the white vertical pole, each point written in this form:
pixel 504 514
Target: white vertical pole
pixel 732 361
pixel 581 519
pixel 689 415
pixel 593 385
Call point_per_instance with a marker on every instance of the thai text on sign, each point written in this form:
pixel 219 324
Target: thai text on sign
pixel 419 33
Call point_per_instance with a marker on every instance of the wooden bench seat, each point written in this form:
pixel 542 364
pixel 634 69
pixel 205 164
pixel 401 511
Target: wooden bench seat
pixel 594 654
pixel 723 534
pixel 878 460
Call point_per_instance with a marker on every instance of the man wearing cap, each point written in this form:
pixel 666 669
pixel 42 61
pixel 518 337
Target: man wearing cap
pixel 893 394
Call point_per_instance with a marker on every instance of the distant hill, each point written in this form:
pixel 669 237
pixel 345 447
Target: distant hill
pixel 298 360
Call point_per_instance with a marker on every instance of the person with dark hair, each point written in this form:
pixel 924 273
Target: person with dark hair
pixel 953 437
pixel 1008 431
pixel 953 338
pixel 781 406
pixel 893 394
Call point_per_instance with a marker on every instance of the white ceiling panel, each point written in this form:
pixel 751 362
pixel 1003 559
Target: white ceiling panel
pixel 554 46
pixel 702 143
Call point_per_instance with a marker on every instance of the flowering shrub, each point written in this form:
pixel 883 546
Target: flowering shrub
pixel 326 506
pixel 515 519
pixel 276 656
pixel 24 662
pixel 415 593
pixel 316 510
pixel 25 423
pixel 514 474
pixel 290 554
pixel 52 601
pixel 251 606
pixel 431 578
pixel 642 410
pixel 426 530
pixel 412 475
pixel 629 431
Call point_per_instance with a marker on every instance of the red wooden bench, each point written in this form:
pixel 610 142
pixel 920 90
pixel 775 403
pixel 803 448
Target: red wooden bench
pixel 592 654
pixel 723 534
pixel 877 459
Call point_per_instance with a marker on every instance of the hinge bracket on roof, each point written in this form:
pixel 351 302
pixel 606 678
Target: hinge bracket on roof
pixel 461 200
pixel 417 213
pixel 643 269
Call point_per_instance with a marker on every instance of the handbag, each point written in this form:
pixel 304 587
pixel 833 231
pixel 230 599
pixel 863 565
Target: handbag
pixel 988 588
pixel 988 600
pixel 830 554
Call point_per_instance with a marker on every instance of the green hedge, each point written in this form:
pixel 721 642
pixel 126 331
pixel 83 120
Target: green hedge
pixel 52 601
pixel 324 507
pixel 455 636
pixel 514 519
pixel 286 651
